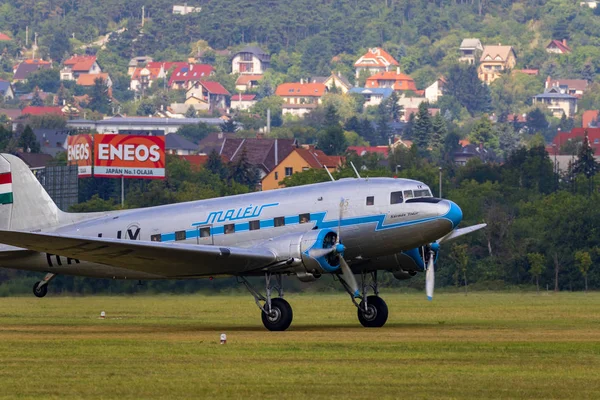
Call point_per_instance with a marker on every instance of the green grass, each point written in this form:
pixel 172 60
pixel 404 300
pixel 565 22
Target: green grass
pixel 476 346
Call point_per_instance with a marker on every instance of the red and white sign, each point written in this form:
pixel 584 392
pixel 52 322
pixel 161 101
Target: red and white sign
pixel 79 152
pixel 129 156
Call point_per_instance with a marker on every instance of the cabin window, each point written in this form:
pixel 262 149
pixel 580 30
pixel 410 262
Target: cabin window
pixel 205 232
pixel 289 171
pixel 279 221
pixel 229 228
pixel 156 238
pixel 370 200
pixel 304 218
pixel 396 198
pixel 254 225
pixel 180 235
pixel 408 194
pixel 422 193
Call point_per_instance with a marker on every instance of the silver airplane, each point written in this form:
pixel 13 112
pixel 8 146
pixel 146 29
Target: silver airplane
pixel 345 227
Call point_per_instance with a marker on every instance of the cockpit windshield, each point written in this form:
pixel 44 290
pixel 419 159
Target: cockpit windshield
pixel 422 193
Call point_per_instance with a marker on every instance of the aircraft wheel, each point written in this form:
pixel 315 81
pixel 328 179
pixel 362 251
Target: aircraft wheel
pixel 280 317
pixel 376 314
pixel 40 291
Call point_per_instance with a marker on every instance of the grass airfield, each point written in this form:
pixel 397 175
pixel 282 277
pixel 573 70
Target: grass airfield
pixel 484 345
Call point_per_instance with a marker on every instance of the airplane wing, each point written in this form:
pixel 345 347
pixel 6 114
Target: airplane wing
pixel 171 260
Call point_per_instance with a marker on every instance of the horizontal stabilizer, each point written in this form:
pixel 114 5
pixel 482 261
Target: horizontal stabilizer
pixel 459 232
pixel 170 260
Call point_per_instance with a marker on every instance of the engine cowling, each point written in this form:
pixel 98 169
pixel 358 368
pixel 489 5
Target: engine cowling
pixel 298 247
pixel 402 265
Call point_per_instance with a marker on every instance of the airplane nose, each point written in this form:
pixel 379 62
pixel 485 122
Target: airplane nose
pixel 454 214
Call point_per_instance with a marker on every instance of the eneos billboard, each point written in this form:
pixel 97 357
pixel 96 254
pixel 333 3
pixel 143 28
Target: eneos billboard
pixel 79 152
pixel 129 156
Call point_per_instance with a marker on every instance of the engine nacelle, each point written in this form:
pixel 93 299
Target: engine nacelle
pixel 297 246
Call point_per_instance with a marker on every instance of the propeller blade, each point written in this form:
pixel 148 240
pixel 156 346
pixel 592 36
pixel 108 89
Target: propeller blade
pixel 316 253
pixel 349 277
pixel 430 276
pixel 339 231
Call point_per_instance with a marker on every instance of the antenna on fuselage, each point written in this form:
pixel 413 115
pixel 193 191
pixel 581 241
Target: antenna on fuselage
pixel 354 168
pixel 329 173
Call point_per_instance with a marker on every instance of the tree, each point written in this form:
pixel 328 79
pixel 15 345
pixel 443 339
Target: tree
pixel 536 267
pixel 484 133
pixel 384 132
pixel 584 262
pixel 242 172
pixel 28 142
pixel 99 99
pixel 59 46
pixel 462 83
pixel 536 121
pixel 191 112
pixel 586 164
pixel 461 258
pixel 438 133
pixel 393 107
pixel 196 132
pixel 36 100
pixel 229 126
pixel 62 95
pixel 566 124
pixel 332 140
pixel 215 164
pixel 423 128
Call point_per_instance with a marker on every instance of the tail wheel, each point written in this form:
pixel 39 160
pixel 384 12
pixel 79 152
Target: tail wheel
pixel 376 313
pixel 40 291
pixel 280 317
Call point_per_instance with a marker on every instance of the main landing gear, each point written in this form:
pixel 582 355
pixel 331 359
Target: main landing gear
pixel 40 288
pixel 372 310
pixel 276 313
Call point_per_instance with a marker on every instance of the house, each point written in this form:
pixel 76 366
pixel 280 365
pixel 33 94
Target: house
pixel 197 161
pixel 137 62
pixel 52 141
pixel 364 150
pixel 144 76
pixel 410 111
pixel 242 101
pixel 34 160
pixel 27 97
pixel 89 80
pixel 530 71
pixel 590 4
pixel 186 75
pixel 558 47
pixel 392 80
pixel 213 94
pixel 177 144
pixel 374 61
pixel 436 90
pixel 335 80
pixel 247 82
pixel 78 65
pixel 557 102
pixel 41 110
pixel 6 90
pixel 470 49
pixel 185 9
pixel 471 151
pixel 411 102
pixel 372 97
pixel 27 67
pixel 4 37
pixel 589 119
pixel 563 138
pixel 10 113
pixel 300 159
pixel 250 60
pixel 300 98
pixel 495 60
pixel 574 87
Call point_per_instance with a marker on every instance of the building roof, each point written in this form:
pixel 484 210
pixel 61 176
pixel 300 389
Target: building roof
pixel 139 61
pixel 190 72
pixel 590 118
pixel 80 63
pixel 11 113
pixel 34 160
pixel 561 45
pixel 573 84
pixel 214 88
pixel 90 79
pixel 385 92
pixel 552 95
pixel 408 111
pixel 52 141
pixel 362 150
pixel 29 96
pixel 168 65
pixel 152 72
pixel 174 141
pixel 376 57
pixel 470 44
pixel 495 52
pixel 4 86
pixel 243 97
pixel 27 67
pixel 532 72
pixel 562 138
pixel 257 51
pixel 4 37
pixel 35 110
pixel 317 159
pixel 150 121
pixel 247 78
pixel 402 81
pixel 301 90
pixel 196 160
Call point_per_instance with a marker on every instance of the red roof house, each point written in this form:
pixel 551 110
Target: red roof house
pixel 589 119
pixel 40 110
pixel 185 75
pixel 558 47
pixel 374 61
pixel 393 80
pixel 562 138
pixel 4 37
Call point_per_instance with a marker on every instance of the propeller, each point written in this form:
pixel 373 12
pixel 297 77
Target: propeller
pixel 430 275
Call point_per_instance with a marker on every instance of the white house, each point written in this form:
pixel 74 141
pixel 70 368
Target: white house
pixel 250 60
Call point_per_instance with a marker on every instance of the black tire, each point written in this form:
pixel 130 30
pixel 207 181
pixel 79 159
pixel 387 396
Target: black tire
pixel 376 315
pixel 40 292
pixel 281 315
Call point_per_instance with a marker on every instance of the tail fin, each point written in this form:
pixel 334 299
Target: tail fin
pixel 24 204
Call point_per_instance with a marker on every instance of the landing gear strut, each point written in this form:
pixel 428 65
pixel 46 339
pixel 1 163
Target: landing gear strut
pixel 372 310
pixel 276 313
pixel 40 288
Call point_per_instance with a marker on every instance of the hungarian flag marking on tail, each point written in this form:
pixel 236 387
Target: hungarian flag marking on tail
pixel 6 193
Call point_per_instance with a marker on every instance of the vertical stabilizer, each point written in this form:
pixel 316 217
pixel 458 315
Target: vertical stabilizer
pixel 24 204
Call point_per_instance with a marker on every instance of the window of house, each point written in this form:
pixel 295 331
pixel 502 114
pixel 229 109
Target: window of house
pixel 289 171
pixel 396 197
pixel 408 194
pixel 276 175
pixel 279 221
pixel 370 200
pixel 156 238
pixel 229 228
pixel 180 235
pixel 304 218
pixel 205 232
pixel 254 225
